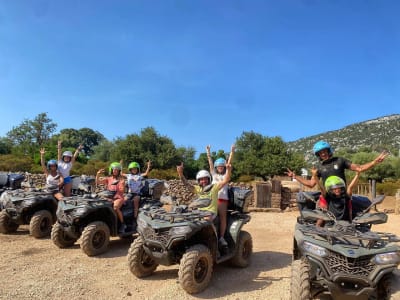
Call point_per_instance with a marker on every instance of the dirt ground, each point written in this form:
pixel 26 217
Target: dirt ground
pixel 37 269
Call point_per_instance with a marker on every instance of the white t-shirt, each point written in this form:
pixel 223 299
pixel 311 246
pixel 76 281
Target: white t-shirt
pixel 64 168
pixel 223 192
pixel 52 181
pixel 135 182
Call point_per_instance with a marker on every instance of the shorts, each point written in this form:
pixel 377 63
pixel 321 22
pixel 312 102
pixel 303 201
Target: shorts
pixel 130 196
pixel 222 200
pixel 67 179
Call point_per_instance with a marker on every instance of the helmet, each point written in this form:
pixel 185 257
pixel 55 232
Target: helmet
pixel 333 182
pixel 51 162
pixel 202 174
pixel 67 153
pixel 220 162
pixel 114 165
pixel 321 145
pixel 133 164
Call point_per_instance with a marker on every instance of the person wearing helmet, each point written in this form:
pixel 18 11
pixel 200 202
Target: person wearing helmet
pixel 135 184
pixel 115 183
pixel 65 162
pixel 54 180
pixel 335 197
pixel 205 189
pixel 331 165
pixel 218 172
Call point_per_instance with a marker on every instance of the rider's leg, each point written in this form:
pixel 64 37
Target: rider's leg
pixel 136 201
pixel 222 210
pixel 117 207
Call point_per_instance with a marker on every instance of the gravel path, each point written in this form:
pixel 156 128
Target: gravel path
pixel 37 269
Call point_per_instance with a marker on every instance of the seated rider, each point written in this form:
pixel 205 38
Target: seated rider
pixel 205 189
pixel 116 184
pixel 54 180
pixel 135 183
pixel 336 199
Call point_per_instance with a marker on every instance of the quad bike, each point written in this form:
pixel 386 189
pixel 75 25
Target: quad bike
pixel 183 236
pixel 345 260
pixel 92 218
pixel 36 208
pixel 9 182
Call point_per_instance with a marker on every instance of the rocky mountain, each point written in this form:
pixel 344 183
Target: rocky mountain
pixel 383 132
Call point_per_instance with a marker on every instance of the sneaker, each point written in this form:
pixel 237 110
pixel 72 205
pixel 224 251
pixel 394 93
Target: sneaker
pixel 222 242
pixel 122 228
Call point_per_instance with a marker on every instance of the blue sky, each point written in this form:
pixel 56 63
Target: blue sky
pixel 199 72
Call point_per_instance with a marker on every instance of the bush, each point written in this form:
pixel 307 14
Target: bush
pixel 245 178
pixel 388 188
pixel 164 174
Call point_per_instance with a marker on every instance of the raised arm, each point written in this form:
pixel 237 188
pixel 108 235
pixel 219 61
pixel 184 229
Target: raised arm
pixel 365 167
pixel 98 181
pixel 314 176
pixel 210 162
pixel 42 163
pixel 307 182
pixel 80 147
pixel 230 158
pixel 59 150
pixel 179 169
pixel 353 183
pixel 145 174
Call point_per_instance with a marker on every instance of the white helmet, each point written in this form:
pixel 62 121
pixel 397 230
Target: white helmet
pixel 202 174
pixel 67 153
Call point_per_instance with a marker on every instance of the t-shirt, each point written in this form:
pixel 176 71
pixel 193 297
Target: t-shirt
pixel 210 194
pixel 64 168
pixel 135 183
pixel 334 166
pixel 52 181
pixel 117 188
pixel 339 206
pixel 223 192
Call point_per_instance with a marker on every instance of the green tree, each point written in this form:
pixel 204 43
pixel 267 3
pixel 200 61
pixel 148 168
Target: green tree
pixel 31 135
pixel 72 138
pixel 263 157
pixel 148 145
pixel 5 145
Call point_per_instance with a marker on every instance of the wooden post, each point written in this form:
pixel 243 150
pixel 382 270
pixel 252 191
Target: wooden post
pixel 397 203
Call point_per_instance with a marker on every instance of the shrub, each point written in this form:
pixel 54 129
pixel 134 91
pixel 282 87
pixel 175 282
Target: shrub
pixel 389 188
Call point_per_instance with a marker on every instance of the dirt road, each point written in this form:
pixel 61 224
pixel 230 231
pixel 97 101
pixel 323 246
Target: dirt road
pixel 37 269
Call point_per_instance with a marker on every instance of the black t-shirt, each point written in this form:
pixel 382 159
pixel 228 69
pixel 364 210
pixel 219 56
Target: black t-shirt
pixel 339 206
pixel 334 166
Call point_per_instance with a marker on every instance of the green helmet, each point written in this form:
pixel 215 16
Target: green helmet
pixel 134 164
pixel 334 182
pixel 114 165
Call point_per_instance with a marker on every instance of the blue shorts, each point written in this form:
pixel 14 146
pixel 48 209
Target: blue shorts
pixel 67 179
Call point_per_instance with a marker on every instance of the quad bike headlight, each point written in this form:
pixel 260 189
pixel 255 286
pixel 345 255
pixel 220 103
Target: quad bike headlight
pixel 179 230
pixel 387 258
pixel 314 249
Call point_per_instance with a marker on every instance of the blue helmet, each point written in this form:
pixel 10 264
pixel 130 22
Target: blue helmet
pixel 321 145
pixel 220 162
pixel 52 162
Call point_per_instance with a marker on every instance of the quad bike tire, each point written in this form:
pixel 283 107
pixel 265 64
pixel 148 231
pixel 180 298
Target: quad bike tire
pixel 59 238
pixel 40 224
pixel 300 280
pixel 95 238
pixel 244 250
pixel 6 225
pixel 383 290
pixel 140 263
pixel 195 269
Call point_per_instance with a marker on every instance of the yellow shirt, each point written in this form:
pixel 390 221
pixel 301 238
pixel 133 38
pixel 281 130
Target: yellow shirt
pixel 211 194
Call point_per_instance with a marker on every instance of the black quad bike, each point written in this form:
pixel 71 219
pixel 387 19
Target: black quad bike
pixel 36 208
pixel 92 218
pixel 9 181
pixel 184 237
pixel 345 260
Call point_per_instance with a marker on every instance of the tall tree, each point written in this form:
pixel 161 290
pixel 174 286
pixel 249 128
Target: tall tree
pixel 30 135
